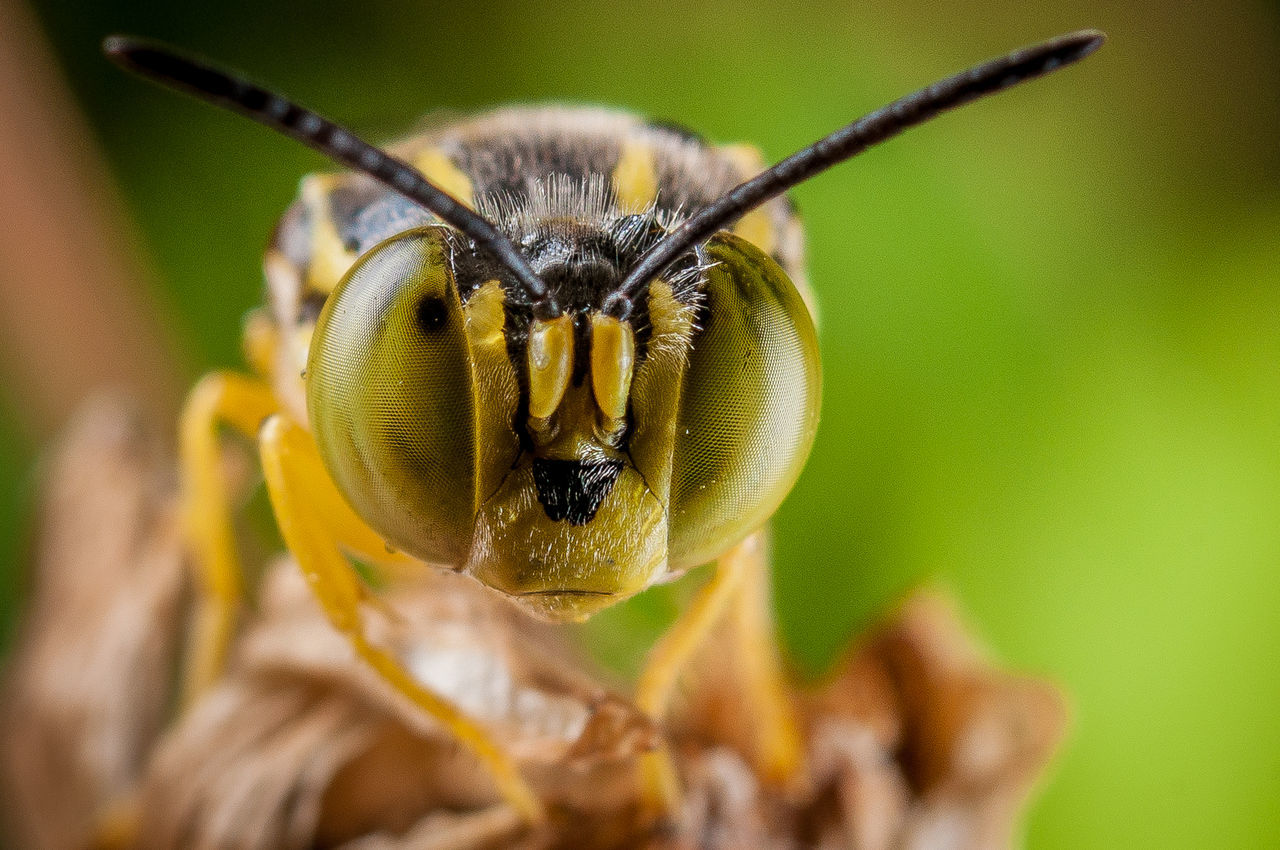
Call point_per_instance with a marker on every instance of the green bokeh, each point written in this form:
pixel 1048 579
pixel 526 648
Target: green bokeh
pixel 1049 324
pixel 16 495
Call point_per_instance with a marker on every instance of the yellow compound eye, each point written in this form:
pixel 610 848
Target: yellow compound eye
pixel 748 406
pixel 390 396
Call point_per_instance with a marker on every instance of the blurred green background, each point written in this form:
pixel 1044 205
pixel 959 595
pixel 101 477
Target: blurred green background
pixel 1051 322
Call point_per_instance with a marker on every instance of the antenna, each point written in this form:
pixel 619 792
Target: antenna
pixel 852 139
pixel 237 94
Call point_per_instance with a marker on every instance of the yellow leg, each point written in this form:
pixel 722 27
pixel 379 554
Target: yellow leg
pixel 740 585
pixel 117 825
pixel 754 640
pixel 668 658
pixel 344 524
pixel 303 496
pixel 658 781
pixel 243 403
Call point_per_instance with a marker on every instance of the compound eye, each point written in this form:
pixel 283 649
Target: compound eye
pixel 390 396
pixel 748 405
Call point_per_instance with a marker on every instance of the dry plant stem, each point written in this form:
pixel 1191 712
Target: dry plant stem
pixel 74 310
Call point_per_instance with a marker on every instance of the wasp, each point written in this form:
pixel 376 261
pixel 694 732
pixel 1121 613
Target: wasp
pixel 566 351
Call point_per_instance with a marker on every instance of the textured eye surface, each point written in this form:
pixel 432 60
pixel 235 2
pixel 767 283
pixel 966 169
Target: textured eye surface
pixel 390 397
pixel 748 406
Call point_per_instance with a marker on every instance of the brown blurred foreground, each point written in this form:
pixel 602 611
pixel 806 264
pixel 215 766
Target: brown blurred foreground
pixel 77 309
pixel 915 741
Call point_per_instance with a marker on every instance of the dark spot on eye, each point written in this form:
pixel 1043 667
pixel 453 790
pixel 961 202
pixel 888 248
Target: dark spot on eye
pixel 432 313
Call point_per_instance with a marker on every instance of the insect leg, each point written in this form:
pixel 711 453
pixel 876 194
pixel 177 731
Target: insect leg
pixel 298 483
pixel 356 539
pixel 668 658
pixel 243 403
pixel 754 652
pixel 737 598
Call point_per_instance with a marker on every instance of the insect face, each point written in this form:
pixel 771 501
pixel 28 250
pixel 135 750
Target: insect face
pixel 568 462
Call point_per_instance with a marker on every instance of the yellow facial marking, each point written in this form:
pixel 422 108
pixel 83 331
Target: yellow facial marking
pixel 635 178
pixel 497 387
pixel 550 357
pixel 673 325
pixel 485 318
pixel 655 390
pixel 756 226
pixel 330 260
pixel 613 357
pixel 440 170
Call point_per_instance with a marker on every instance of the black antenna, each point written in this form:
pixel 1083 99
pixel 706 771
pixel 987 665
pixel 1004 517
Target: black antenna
pixel 284 116
pixel 850 140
